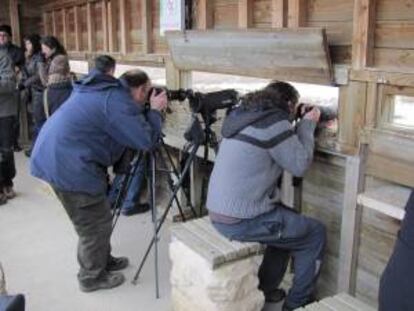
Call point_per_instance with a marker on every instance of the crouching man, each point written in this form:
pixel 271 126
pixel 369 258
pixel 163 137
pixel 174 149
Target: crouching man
pixel 259 142
pixel 77 145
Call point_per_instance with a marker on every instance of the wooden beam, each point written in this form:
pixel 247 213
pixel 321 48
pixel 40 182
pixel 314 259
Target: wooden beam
pixel 245 13
pixel 205 14
pixel 124 26
pixel 77 28
pixel 146 11
pixel 89 23
pixel 278 13
pixel 65 28
pixel 15 21
pixel 54 26
pixel 363 34
pixel 105 34
pixel 351 220
pixel 45 24
pixel 297 13
pixel 112 20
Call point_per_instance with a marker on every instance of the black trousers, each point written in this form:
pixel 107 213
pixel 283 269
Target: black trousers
pixel 92 219
pixel 7 164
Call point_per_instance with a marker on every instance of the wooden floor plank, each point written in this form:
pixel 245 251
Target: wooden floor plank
pixel 359 305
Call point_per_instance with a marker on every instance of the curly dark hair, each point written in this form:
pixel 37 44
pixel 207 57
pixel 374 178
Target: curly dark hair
pixel 34 39
pixel 276 94
pixel 54 44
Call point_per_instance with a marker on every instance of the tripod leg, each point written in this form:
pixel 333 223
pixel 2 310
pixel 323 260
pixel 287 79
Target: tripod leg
pixel 167 209
pixel 177 174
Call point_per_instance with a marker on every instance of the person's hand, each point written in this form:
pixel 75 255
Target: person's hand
pixel 313 115
pixel 159 102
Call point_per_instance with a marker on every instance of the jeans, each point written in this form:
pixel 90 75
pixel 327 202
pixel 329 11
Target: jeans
pixel 92 219
pixel 39 116
pixel 7 164
pixel 285 233
pixel 134 190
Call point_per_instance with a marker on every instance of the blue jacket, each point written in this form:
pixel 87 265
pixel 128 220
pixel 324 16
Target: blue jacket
pixel 89 133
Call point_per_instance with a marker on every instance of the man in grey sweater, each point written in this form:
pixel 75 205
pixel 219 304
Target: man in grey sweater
pixel 259 142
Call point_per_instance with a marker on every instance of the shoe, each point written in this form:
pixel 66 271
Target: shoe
pixel 139 208
pixel 3 199
pixel 17 148
pixel 106 281
pixel 116 263
pixel 9 193
pixel 28 153
pixel 286 307
pixel 275 296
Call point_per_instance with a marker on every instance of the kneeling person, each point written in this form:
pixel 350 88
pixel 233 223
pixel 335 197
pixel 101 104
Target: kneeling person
pixel 259 142
pixel 75 147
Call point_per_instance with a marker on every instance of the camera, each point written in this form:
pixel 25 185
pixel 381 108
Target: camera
pixel 327 113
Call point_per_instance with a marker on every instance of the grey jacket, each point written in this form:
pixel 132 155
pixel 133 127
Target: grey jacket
pixel 8 94
pixel 256 148
pixel 31 72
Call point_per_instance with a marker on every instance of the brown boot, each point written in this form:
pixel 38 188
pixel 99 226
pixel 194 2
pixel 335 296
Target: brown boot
pixel 9 193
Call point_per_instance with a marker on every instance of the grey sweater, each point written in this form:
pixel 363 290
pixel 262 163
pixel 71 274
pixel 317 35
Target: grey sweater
pixel 255 150
pixel 8 93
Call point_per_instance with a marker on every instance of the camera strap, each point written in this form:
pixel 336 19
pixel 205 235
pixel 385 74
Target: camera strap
pixel 265 144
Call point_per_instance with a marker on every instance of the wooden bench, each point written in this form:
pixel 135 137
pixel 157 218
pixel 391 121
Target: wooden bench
pixel 340 302
pixel 210 273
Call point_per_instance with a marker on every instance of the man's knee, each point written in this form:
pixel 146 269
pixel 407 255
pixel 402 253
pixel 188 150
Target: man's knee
pixel 319 233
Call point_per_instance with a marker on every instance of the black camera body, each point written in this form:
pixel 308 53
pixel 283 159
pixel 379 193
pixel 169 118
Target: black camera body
pixel 327 113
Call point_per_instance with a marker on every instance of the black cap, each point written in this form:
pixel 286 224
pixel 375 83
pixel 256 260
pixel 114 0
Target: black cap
pixel 6 28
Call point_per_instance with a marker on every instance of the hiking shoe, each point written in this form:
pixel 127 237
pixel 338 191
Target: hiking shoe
pixel 106 281
pixel 117 263
pixel 9 193
pixel 139 208
pixel 3 199
pixel 275 296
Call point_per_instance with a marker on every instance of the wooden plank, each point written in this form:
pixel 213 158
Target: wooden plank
pixel 54 22
pixel 401 60
pixel 297 13
pixel 245 8
pixel 279 10
pixel 352 301
pixel 64 27
pixel 89 24
pixel 330 11
pixel 78 33
pixel 394 35
pixel 15 21
pixel 336 304
pixel 316 306
pixel 392 10
pixel 363 34
pixel 112 29
pixel 105 34
pixel 45 24
pixel 383 77
pixel 205 14
pixel 350 227
pixel 124 27
pixel 372 104
pixel 338 33
pixel 271 54
pixel 146 26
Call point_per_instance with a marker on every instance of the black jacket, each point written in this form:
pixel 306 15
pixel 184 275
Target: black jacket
pixel 57 94
pixel 15 53
pixel 31 72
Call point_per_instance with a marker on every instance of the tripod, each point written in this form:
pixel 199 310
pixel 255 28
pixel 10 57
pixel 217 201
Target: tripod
pixel 196 137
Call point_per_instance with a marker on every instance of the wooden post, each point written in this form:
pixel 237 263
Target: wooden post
pixel 363 35
pixel 77 28
pixel 124 27
pixel 297 13
pixel 89 22
pixel 245 13
pixel 278 13
pixel 15 21
pixel 45 24
pixel 205 14
pixel 112 36
pixel 372 104
pixel 54 27
pixel 65 28
pixel 105 25
pixel 351 219
pixel 146 6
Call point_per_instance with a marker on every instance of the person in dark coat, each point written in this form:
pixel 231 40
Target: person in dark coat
pixel 31 79
pixel 74 149
pixel 8 111
pixel 396 286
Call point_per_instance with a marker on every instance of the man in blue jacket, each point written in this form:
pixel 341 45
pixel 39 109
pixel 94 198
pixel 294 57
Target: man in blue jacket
pixel 75 147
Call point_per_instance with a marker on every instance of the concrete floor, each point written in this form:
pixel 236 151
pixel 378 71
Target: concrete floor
pixel 38 247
